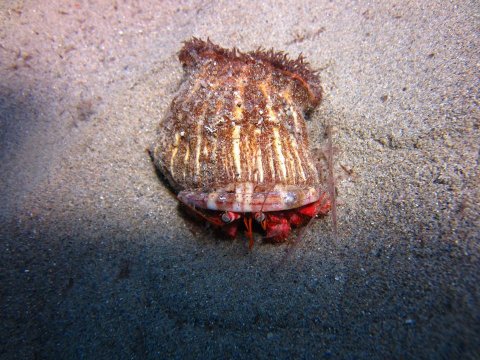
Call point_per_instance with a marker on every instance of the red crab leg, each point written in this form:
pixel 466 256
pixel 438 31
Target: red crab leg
pixel 213 220
pixel 320 207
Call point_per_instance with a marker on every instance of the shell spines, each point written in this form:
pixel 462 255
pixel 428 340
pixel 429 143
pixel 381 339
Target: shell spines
pixel 195 51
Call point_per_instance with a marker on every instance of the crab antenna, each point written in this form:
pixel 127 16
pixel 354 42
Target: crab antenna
pixel 248 224
pixel 331 179
pixel 260 215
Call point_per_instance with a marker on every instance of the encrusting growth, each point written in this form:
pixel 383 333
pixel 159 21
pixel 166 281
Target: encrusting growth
pixel 234 143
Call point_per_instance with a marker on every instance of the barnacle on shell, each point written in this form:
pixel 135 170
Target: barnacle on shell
pixel 235 133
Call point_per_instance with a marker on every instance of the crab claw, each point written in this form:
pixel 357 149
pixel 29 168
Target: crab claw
pixel 278 231
pixel 296 220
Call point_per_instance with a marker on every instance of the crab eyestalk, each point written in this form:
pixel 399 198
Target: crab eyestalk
pixel 260 218
pixel 229 217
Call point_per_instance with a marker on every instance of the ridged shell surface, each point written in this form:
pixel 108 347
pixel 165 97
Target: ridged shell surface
pixel 238 118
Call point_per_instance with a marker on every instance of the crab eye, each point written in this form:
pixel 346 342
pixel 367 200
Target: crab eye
pixel 227 218
pixel 259 217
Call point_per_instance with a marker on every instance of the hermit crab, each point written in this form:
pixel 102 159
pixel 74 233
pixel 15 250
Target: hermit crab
pixel 234 143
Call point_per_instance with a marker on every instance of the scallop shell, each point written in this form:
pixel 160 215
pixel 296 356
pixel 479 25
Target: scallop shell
pixel 235 136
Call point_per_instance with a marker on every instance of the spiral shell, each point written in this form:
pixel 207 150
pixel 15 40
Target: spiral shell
pixel 235 136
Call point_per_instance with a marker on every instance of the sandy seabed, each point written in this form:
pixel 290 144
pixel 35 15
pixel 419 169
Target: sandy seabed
pixel 97 260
